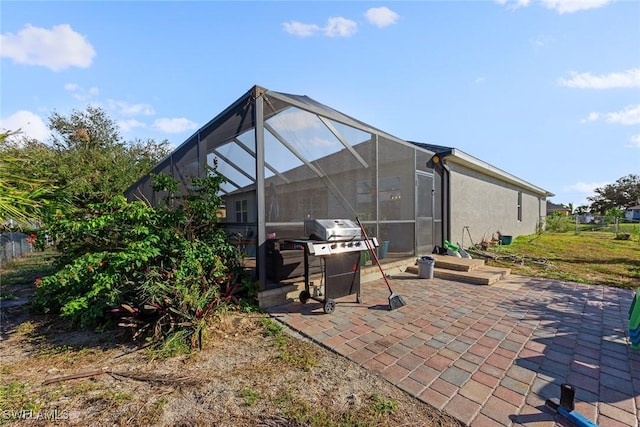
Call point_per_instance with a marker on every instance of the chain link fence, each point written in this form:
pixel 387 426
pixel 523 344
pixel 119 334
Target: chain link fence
pixel 588 222
pixel 14 245
pixel 591 223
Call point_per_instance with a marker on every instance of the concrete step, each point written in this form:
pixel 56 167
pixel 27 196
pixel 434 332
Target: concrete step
pixel 290 291
pixel 459 264
pixel 498 270
pixel 371 271
pixel 277 296
pixel 478 276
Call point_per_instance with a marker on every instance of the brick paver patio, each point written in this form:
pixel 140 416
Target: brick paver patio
pixel 489 356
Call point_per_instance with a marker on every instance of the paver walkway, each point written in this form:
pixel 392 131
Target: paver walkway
pixel 489 356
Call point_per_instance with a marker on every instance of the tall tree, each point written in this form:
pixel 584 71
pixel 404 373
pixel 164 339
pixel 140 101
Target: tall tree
pixel 570 207
pixel 86 157
pixel 624 193
pixel 98 163
pixel 581 210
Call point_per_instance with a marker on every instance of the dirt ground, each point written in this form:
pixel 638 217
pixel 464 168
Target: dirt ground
pixel 251 372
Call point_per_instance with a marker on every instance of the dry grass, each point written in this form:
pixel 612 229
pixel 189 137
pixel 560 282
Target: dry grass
pixel 241 378
pixel 251 372
pixel 17 275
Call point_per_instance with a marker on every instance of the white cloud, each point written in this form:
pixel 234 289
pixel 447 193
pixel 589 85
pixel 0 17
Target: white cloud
pixel 336 27
pixel 579 192
pixel 629 115
pixel 635 141
pixel 571 6
pixel 130 124
pixel 125 109
pixel 299 29
pixel 381 16
pixel 560 6
pixel 57 49
pixel 540 41
pixel 294 121
pixel 177 125
pixel 586 187
pixel 513 5
pixel 591 117
pixel 29 123
pixel 340 27
pixel 80 93
pixel 625 79
pixel 322 142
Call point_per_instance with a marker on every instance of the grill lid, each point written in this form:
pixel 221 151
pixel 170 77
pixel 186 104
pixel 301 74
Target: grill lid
pixel 332 229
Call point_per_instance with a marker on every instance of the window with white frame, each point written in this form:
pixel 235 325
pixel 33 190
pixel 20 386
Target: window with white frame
pixel 519 205
pixel 242 211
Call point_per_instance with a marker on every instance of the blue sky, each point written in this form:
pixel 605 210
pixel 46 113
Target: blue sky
pixel 546 90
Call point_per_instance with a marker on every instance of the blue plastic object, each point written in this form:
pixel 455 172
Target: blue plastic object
pixel 566 407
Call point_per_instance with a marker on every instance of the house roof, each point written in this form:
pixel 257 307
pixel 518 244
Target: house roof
pixel 455 155
pixel 239 117
pixel 555 207
pixel 633 208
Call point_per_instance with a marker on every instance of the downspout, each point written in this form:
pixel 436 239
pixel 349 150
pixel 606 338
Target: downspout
pixel 437 163
pixel 446 201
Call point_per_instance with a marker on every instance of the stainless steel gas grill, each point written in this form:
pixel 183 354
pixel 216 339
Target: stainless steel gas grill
pixel 338 243
pixel 332 229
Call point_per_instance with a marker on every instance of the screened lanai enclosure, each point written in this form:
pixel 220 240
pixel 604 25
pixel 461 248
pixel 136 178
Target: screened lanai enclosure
pixel 287 158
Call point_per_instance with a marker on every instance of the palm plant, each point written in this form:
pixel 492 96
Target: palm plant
pixel 21 197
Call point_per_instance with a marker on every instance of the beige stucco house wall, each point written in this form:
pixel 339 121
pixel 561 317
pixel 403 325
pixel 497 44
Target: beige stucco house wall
pixel 486 201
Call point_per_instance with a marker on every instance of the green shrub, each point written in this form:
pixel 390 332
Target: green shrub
pixel 157 270
pixel 557 222
pixel 383 405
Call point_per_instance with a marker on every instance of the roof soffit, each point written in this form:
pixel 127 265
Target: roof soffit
pixel 466 160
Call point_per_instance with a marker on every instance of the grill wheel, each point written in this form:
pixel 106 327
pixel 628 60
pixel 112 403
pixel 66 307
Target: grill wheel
pixel 329 306
pixel 304 296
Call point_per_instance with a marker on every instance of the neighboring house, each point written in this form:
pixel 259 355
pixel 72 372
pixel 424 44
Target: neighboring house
pixel 586 218
pixel 288 158
pixel 553 208
pixel 632 213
